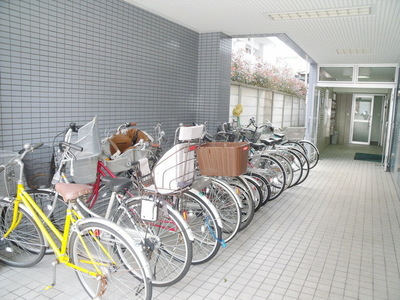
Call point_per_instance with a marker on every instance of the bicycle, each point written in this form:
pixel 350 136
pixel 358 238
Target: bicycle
pixel 107 261
pixel 206 224
pixel 307 147
pixel 112 198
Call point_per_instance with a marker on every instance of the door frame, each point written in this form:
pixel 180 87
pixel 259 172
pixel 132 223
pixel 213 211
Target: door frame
pixel 355 96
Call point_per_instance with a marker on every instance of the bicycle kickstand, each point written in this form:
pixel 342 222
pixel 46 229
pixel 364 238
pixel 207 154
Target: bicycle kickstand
pixel 54 268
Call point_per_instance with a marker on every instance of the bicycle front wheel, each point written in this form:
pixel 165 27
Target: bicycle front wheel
pixel 311 152
pixel 24 246
pixel 225 200
pixel 119 271
pixel 245 193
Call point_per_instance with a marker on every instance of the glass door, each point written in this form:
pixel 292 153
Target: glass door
pixel 361 119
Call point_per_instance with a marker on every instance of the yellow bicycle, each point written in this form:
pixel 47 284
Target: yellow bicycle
pixel 109 263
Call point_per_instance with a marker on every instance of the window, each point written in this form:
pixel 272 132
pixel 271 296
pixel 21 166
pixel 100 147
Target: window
pixel 336 74
pixel 376 74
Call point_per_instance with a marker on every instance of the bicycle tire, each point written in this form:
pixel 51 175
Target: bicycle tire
pixel 123 274
pixel 294 144
pixel 312 152
pixel 223 197
pixel 167 243
pixel 203 222
pixel 275 173
pixel 305 164
pixel 287 167
pixel 295 162
pixel 25 245
pixel 245 194
pixel 264 184
pixel 257 191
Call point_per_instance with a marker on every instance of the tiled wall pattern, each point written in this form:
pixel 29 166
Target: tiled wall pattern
pixel 64 61
pixel 214 79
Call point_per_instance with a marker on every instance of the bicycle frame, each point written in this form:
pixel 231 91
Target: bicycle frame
pixel 40 219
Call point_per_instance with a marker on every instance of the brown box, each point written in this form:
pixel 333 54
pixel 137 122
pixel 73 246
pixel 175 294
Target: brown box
pixel 223 158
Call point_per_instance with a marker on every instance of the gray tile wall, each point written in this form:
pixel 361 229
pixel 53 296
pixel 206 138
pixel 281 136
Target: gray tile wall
pixel 214 79
pixel 63 61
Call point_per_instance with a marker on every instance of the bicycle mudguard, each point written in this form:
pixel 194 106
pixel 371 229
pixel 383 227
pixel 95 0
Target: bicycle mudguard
pixel 125 235
pixel 209 204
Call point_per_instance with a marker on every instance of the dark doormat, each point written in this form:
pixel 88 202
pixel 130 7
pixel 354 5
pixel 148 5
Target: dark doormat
pixel 368 157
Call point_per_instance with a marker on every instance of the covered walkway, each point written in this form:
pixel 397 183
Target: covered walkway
pixel 337 236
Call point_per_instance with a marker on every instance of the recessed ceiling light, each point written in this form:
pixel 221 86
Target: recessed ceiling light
pixel 328 13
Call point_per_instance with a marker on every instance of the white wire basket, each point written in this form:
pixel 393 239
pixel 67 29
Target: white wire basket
pixel 84 166
pixel 176 168
pixel 295 133
pixel 7 179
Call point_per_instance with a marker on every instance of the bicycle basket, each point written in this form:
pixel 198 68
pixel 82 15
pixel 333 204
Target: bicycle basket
pixel 176 168
pixel 7 184
pixel 126 139
pixel 252 136
pixel 39 167
pixel 295 133
pixel 223 159
pixel 84 166
pixel 124 161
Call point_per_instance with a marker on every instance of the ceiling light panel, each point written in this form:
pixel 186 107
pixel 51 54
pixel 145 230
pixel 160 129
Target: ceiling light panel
pixel 329 13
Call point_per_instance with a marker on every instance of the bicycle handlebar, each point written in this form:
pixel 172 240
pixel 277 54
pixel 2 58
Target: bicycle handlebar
pixel 126 125
pixel 2 168
pixel 29 147
pixel 72 146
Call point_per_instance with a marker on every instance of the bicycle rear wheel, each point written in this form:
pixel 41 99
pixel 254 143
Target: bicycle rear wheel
pixel 52 205
pixel 25 245
pixel 204 225
pixel 166 241
pixel 101 249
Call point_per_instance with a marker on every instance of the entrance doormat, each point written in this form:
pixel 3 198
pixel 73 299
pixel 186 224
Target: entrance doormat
pixel 368 157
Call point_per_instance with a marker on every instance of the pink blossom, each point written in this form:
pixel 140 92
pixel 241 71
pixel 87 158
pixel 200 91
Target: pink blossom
pixel 247 69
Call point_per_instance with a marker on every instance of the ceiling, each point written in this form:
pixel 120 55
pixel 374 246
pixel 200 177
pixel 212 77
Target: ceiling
pixel 363 39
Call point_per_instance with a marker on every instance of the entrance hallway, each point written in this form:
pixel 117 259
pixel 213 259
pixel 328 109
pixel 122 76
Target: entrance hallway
pixel 336 236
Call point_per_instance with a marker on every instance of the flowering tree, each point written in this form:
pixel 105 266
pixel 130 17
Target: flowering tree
pixel 250 70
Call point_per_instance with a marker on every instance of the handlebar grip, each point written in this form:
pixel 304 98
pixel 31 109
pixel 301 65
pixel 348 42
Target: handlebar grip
pixel 132 124
pixel 72 146
pixel 74 127
pixel 38 145
pixel 2 168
